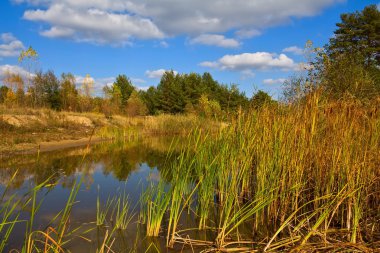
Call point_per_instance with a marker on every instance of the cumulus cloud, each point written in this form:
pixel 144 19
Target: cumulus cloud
pixel 271 81
pixel 258 61
pixel 93 25
pixel 157 73
pixel 10 45
pixel 14 69
pixel 215 40
pixel 294 49
pixel 119 20
pixel 98 83
pixel 247 33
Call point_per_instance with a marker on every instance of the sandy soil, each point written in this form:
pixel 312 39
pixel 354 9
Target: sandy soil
pixel 29 148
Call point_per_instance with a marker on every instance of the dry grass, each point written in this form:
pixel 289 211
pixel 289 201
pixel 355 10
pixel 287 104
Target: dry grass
pixel 24 129
pixel 303 175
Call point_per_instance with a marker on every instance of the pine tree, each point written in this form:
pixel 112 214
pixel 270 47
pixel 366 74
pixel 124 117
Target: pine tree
pixel 358 33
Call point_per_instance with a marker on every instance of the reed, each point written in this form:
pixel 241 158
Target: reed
pixel 121 212
pixel 155 203
pixel 9 214
pixel 296 171
pixel 58 232
pixel 103 211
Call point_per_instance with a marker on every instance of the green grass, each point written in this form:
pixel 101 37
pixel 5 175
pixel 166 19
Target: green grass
pixel 155 202
pixel 306 173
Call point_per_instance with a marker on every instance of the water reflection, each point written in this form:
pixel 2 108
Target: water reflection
pixel 110 166
pixel 118 158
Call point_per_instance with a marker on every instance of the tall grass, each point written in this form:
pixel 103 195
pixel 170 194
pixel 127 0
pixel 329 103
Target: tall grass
pixel 123 214
pixel 305 173
pixel 155 202
pixel 9 214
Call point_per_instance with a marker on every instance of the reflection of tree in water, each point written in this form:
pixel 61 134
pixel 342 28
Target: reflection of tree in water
pixel 118 158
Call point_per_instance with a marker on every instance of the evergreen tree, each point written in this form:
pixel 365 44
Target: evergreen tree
pixel 260 99
pixel 150 98
pixel 358 32
pixel 124 87
pixel 171 97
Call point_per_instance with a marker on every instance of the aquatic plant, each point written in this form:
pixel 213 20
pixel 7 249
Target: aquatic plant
pixel 154 205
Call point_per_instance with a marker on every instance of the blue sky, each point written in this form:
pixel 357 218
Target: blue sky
pixel 256 44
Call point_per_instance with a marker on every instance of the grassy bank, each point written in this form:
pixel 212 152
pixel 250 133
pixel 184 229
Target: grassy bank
pixel 25 129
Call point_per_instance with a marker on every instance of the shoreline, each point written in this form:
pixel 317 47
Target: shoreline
pixel 43 147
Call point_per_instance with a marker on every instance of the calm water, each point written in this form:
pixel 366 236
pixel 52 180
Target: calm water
pixel 104 170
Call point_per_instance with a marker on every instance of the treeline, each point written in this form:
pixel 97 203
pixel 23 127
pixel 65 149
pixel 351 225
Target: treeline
pixel 176 93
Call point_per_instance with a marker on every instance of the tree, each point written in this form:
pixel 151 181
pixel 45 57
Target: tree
pixel 208 108
pixel 68 92
pixel 358 32
pixel 3 93
pixel 123 87
pixel 135 106
pixel 350 63
pixel 150 99
pixel 346 75
pixel 16 84
pixel 260 99
pixel 46 90
pixel 87 86
pixel 10 98
pixel 113 98
pixel 170 94
pixel 29 57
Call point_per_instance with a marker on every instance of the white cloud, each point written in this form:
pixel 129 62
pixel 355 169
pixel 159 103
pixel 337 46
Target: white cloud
pixel 98 83
pixel 157 73
pixel 258 60
pixel 93 25
pixel 144 88
pixel 58 32
pixel 138 80
pixel 164 44
pixel 271 81
pixel 10 45
pixel 294 49
pixel 14 69
pixel 247 33
pixel 247 74
pixel 215 40
pixel 118 21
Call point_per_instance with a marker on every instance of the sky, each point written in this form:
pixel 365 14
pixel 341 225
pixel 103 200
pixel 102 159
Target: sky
pixel 256 44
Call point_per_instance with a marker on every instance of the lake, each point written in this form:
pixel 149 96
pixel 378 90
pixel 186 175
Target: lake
pixel 103 171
